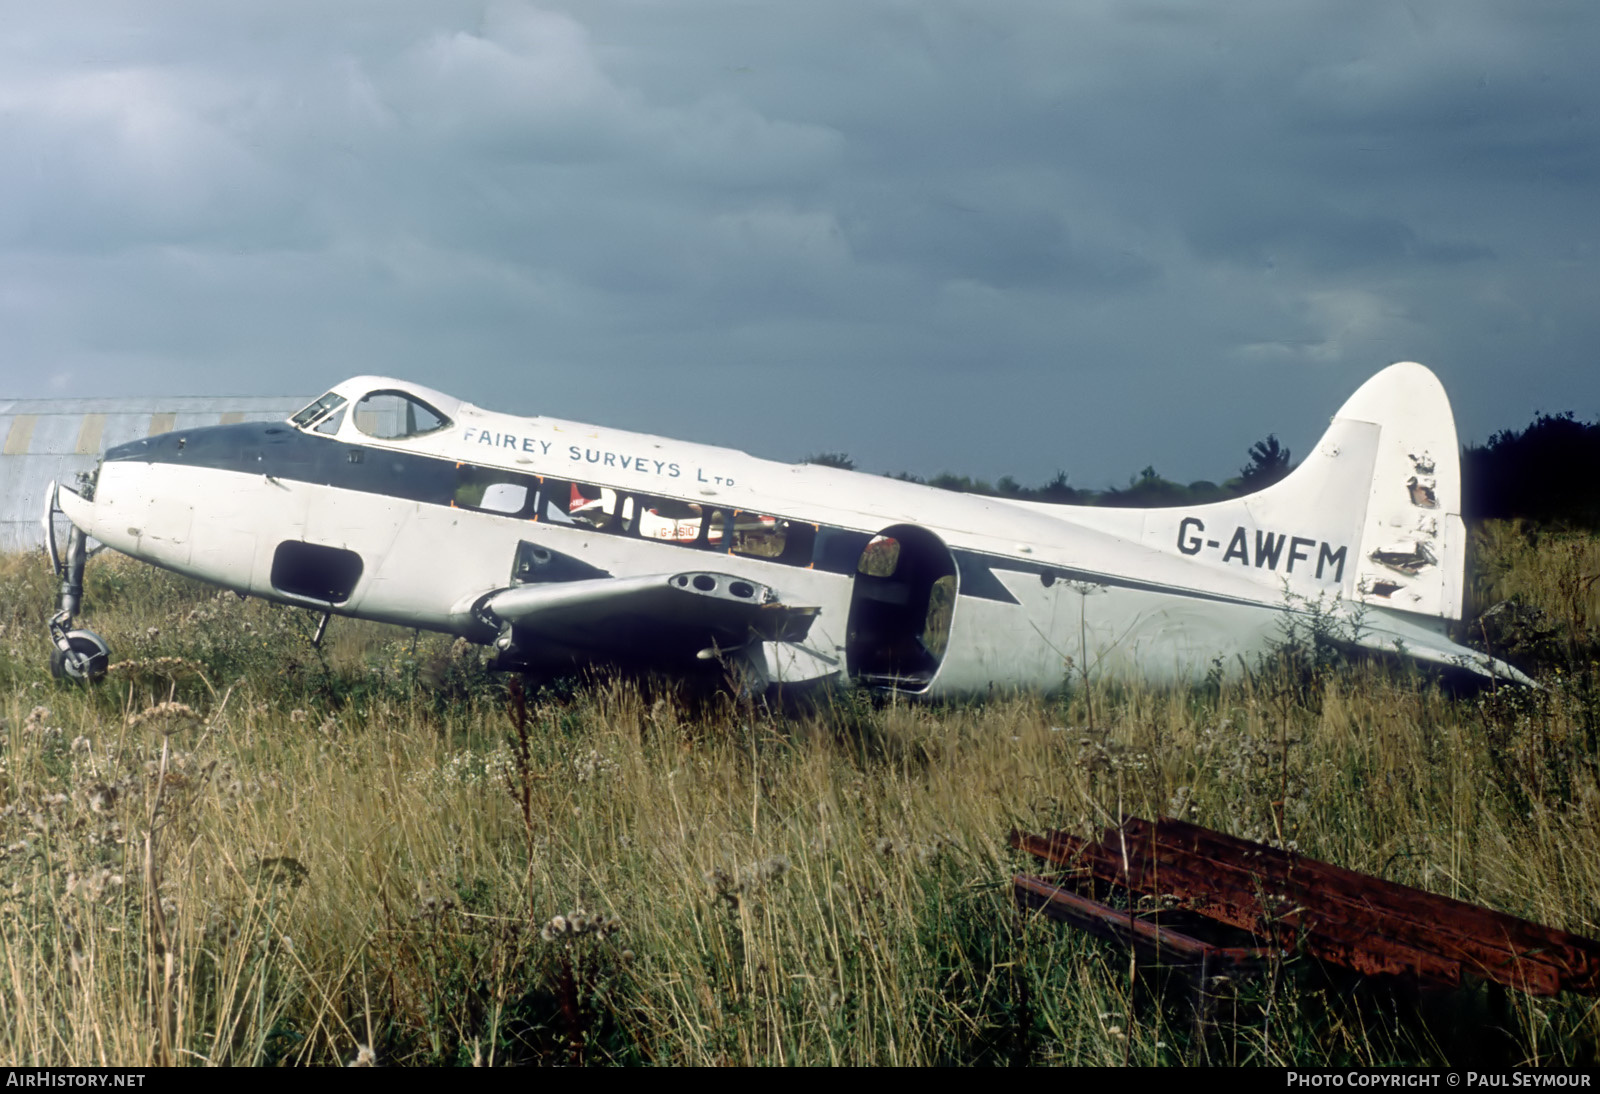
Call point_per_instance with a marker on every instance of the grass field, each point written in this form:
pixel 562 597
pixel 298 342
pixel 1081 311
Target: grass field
pixel 240 850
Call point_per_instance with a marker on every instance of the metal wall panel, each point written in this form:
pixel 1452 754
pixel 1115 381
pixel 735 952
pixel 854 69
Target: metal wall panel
pixel 45 439
pixel 20 435
pixel 89 434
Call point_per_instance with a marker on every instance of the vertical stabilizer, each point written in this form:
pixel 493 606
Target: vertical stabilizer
pixel 1386 480
pixel 1412 554
pixel 1371 516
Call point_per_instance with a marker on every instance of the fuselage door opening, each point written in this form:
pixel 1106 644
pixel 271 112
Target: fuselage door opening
pixel 902 604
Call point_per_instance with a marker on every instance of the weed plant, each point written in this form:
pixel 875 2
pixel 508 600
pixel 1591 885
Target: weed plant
pixel 241 850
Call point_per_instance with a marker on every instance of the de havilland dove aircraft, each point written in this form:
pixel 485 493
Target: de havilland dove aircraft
pixel 557 543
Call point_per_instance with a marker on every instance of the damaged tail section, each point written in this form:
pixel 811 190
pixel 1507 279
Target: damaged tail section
pixel 1371 516
pixel 1382 492
pixel 1388 471
pixel 1413 553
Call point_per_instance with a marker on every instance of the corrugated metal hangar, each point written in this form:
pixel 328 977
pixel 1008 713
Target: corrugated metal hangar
pixel 54 439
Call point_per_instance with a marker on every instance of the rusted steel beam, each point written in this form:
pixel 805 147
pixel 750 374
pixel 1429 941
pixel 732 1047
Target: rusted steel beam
pixel 1238 900
pixel 1500 947
pixel 1445 913
pixel 1337 915
pixel 1442 912
pixel 1058 848
pixel 1149 936
pixel 1355 922
pixel 1331 926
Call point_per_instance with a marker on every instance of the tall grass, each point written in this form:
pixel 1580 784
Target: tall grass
pixel 239 849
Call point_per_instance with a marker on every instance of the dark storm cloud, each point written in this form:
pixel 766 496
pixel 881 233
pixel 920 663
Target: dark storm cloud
pixel 1268 230
pixel 990 237
pixel 996 243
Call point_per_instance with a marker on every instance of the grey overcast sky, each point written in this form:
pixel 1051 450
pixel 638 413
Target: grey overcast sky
pixel 986 236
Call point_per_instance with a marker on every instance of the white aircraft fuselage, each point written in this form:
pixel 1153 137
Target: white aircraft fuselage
pixel 560 542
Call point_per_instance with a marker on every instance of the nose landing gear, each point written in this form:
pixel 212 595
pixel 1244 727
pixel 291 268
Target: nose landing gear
pixel 84 658
pixel 79 654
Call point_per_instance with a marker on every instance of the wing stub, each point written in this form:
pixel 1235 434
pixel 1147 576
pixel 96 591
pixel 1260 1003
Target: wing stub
pixel 659 614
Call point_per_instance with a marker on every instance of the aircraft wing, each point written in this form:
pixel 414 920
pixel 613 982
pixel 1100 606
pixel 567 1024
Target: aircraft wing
pixel 654 619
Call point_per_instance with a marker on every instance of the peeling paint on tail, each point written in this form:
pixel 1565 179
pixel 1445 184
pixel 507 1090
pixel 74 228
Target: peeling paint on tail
pixel 1413 543
pixel 1373 514
pixel 1388 470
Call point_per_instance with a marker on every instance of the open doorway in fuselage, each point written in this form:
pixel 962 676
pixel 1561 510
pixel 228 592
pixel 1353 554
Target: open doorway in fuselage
pixel 901 607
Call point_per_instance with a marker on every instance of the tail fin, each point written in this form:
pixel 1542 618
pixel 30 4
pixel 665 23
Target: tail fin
pixel 1385 484
pixel 1372 515
pixel 1413 553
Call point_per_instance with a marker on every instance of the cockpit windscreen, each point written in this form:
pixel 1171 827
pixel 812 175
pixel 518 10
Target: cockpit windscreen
pixel 317 410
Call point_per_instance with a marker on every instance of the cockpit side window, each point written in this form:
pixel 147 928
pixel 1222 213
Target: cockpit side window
pixel 396 416
pixel 319 409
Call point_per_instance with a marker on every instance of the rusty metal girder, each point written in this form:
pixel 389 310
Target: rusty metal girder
pixel 1286 900
pixel 1165 942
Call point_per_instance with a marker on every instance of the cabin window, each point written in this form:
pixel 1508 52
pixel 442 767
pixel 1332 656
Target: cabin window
pixel 396 416
pixel 505 497
pixel 670 521
pixel 758 534
pixel 492 490
pixel 799 542
pixel 593 507
pixel 713 530
pixel 690 524
pixel 557 499
pixel 838 551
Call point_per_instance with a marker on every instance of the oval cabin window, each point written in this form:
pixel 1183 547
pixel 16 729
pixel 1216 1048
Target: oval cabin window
pixel 396 416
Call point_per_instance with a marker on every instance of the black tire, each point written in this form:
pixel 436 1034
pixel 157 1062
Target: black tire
pixel 89 666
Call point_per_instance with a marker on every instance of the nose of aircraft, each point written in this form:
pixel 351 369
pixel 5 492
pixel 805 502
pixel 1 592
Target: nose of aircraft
pixel 134 512
pixel 145 494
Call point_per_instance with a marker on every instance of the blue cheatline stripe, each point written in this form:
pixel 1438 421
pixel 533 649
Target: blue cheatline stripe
pixel 276 449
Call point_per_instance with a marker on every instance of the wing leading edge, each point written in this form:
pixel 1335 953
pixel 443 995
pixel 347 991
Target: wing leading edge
pixel 652 619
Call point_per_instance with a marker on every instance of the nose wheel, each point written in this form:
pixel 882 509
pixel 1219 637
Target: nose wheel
pixel 84 657
pixel 79 654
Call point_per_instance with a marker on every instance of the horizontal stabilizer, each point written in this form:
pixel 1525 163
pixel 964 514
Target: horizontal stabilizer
pixel 1397 632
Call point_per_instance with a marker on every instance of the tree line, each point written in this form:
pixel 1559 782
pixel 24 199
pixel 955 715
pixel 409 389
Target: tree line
pixel 1548 472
